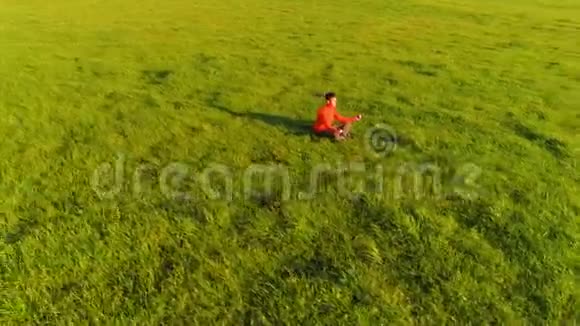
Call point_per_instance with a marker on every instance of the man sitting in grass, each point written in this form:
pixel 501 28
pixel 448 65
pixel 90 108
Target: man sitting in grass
pixel 325 119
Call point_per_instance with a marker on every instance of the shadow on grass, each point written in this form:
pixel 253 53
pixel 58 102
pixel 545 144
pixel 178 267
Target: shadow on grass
pixel 23 228
pixel 293 126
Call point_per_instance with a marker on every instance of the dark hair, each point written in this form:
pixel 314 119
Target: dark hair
pixel 329 95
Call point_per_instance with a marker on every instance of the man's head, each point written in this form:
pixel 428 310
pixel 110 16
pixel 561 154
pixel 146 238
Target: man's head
pixel 330 98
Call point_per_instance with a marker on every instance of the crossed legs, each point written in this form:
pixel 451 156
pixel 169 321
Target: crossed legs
pixel 345 129
pixel 342 132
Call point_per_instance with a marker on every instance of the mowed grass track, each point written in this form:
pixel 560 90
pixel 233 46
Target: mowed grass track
pixel 487 90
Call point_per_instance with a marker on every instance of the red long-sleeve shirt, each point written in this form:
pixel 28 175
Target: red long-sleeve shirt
pixel 326 116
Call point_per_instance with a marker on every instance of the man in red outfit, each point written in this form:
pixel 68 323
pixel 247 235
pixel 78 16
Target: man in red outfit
pixel 326 116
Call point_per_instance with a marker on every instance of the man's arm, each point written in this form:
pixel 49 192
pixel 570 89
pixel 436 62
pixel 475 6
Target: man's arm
pixel 342 119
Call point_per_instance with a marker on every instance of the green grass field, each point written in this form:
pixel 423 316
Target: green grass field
pixel 471 217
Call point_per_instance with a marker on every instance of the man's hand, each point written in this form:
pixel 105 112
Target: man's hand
pixel 358 117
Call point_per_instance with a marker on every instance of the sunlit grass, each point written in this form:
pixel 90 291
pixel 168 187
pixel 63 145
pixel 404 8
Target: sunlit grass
pixel 486 94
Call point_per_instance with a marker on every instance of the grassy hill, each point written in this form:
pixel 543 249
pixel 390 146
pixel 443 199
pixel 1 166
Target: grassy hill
pixel 139 137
